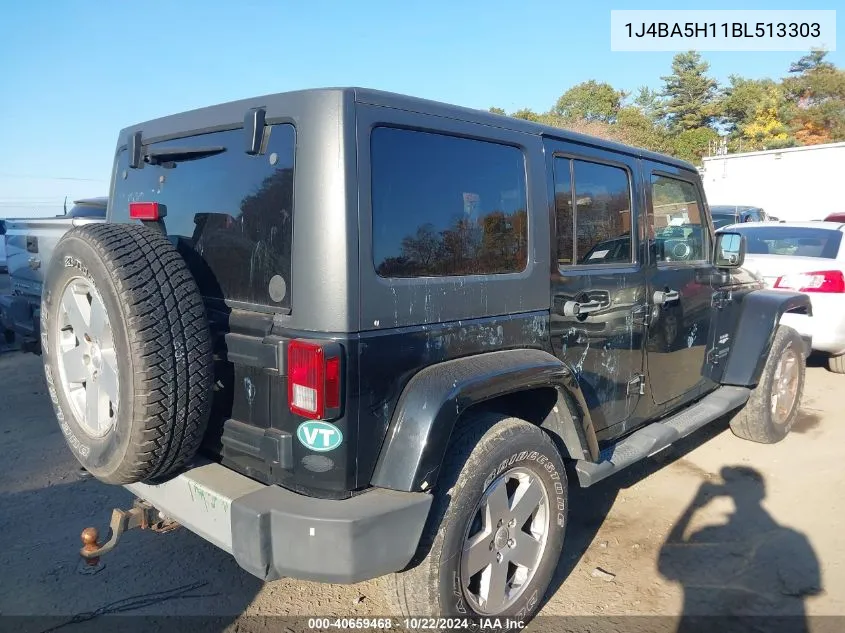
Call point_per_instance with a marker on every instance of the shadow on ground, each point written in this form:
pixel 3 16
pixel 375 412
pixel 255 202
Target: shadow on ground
pixel 750 566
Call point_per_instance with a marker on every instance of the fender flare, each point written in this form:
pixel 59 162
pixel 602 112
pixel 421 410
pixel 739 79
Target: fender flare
pixel 435 397
pixel 755 331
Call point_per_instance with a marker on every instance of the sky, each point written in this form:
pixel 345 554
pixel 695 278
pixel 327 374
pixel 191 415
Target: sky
pixel 76 72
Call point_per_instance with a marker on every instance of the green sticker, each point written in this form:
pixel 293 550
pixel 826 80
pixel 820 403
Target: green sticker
pixel 319 436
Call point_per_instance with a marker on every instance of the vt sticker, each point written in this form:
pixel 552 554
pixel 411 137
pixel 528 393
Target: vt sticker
pixel 319 436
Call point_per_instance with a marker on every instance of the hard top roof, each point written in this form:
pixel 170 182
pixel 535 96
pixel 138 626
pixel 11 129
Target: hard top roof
pixel 230 115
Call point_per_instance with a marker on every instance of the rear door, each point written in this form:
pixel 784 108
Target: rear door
pixel 597 279
pixel 679 283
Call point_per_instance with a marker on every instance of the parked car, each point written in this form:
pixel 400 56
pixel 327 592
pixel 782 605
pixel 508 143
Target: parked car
pixel 724 214
pixel 88 208
pixel 807 257
pixel 394 386
pixel 29 247
pixel 835 217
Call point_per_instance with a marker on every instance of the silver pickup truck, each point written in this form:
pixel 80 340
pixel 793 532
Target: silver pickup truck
pixel 29 247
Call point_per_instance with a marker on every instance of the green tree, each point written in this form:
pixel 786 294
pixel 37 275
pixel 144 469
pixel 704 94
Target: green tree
pixel 591 101
pixel 814 60
pixel 527 114
pixel 741 99
pixel 755 114
pixel 495 110
pixel 816 94
pixel 639 129
pixel 692 144
pixel 649 102
pixel 689 93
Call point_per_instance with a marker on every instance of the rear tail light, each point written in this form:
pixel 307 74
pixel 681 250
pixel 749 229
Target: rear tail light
pixel 821 281
pixel 146 211
pixel 314 379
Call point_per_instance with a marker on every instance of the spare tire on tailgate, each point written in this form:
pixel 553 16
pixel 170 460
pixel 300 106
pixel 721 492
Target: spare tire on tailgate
pixel 127 352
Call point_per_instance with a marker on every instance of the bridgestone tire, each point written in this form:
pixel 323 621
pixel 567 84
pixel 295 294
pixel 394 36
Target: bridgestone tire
pixel 155 339
pixel 481 451
pixel 756 421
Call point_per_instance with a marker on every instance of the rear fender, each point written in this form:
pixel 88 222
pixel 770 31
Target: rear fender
pixel 434 399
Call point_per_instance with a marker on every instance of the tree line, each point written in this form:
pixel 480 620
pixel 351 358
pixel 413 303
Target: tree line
pixel 496 242
pixel 691 114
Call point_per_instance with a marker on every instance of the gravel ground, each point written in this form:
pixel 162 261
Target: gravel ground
pixel 747 524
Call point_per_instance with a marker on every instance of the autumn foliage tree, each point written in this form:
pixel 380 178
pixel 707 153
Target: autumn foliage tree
pixel 689 112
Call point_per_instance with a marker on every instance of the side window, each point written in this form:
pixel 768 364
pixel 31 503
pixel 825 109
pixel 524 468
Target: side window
pixel 597 229
pixel 446 206
pixel 679 231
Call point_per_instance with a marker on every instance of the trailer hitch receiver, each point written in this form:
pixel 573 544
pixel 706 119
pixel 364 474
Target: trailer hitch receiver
pixel 142 515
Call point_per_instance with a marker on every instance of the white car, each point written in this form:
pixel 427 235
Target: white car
pixel 807 257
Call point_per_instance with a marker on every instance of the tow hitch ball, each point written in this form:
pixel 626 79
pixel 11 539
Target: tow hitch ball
pixel 142 515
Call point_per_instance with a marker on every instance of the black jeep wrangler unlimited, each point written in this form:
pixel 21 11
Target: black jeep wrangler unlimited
pixel 343 333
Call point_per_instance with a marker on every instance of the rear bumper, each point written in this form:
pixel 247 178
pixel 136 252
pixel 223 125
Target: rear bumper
pixel 275 533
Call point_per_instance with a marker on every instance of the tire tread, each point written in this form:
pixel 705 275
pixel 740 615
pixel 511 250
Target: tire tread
pixel 413 591
pixel 754 421
pixel 170 345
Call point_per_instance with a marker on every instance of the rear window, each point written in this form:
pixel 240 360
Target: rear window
pixel 721 220
pixel 444 205
pixel 797 241
pixel 229 213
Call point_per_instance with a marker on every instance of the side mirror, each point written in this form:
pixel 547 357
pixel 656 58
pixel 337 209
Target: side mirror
pixel 730 250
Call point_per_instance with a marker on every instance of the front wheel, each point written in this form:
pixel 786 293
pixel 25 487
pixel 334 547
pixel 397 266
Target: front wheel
pixel 773 406
pixel 496 529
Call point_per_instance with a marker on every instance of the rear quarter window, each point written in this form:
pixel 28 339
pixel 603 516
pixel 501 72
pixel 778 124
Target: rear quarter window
pixel 446 206
pixel 230 214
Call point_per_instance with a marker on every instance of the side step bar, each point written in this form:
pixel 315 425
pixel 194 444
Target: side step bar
pixel 656 436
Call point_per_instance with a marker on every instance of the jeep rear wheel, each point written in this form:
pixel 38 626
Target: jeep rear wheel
pixel 127 352
pixel 496 528
pixel 773 406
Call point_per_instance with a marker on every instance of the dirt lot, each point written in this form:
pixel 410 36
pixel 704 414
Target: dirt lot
pixel 768 523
